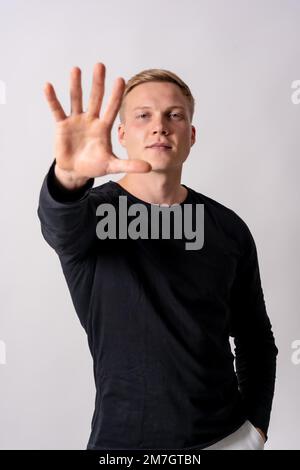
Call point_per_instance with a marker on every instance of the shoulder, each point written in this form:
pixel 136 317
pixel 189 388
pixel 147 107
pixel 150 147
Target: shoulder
pixel 224 219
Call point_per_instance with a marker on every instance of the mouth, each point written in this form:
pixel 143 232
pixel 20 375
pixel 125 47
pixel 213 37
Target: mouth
pixel 160 147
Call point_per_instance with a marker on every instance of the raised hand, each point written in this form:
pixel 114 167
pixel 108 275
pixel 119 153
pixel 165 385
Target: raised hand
pixel 83 146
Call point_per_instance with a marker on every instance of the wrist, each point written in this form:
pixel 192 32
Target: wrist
pixel 262 434
pixel 68 179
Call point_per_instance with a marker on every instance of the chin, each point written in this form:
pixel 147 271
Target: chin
pixel 159 167
pixel 160 160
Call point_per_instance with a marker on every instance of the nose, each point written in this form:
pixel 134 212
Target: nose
pixel 160 130
pixel 160 127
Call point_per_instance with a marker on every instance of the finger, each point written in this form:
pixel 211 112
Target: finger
pixel 117 165
pixel 76 91
pixel 54 104
pixel 114 102
pixel 97 90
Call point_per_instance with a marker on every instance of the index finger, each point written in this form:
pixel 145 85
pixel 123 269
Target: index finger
pixel 114 102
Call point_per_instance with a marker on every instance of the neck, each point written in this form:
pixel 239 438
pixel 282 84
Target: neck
pixel 155 187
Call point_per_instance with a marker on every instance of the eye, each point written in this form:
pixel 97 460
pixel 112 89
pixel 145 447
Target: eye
pixel 146 114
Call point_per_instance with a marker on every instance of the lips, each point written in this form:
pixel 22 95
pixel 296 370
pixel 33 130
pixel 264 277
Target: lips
pixel 160 146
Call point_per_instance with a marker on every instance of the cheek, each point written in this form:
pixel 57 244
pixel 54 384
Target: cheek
pixel 132 136
pixel 184 139
pixel 135 131
pixel 136 138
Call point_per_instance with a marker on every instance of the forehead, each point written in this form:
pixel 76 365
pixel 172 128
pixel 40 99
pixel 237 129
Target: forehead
pixel 155 94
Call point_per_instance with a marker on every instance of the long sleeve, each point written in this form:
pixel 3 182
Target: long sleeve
pixel 255 349
pixel 67 217
pixel 68 224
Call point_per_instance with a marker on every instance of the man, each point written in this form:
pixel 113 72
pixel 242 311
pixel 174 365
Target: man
pixel 157 316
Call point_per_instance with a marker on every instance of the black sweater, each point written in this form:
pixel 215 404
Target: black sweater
pixel 158 319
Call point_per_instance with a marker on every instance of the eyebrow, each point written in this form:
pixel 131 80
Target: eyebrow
pixel 169 107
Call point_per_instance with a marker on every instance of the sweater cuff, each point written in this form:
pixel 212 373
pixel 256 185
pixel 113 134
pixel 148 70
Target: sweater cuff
pixel 60 193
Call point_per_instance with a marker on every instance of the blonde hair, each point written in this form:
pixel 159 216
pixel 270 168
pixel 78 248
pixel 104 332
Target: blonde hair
pixel 157 75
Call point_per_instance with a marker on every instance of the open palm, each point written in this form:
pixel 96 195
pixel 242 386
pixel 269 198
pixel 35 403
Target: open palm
pixel 83 146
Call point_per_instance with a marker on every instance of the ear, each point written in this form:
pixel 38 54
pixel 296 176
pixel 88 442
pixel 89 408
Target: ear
pixel 121 134
pixel 193 135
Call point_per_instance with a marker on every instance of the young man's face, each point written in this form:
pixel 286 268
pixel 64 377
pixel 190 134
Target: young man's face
pixel 167 111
